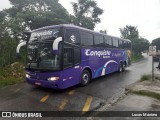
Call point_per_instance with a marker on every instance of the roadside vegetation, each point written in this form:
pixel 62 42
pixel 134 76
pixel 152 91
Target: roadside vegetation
pixel 157 78
pixel 12 74
pixel 145 78
pixel 149 88
pixel 147 93
pixel 136 57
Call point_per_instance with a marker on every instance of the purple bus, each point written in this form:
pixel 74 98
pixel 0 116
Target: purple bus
pixel 62 56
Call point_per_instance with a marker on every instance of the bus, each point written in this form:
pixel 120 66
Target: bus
pixel 62 56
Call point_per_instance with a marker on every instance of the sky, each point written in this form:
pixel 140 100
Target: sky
pixel 144 14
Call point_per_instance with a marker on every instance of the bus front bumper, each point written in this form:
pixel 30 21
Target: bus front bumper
pixel 45 83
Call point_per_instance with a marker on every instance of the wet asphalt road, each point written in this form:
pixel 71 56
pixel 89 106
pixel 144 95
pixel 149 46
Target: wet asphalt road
pixel 24 97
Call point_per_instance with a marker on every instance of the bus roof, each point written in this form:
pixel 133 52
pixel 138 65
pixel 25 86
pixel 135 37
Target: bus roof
pixel 74 26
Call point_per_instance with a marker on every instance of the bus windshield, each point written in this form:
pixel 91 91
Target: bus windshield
pixel 40 50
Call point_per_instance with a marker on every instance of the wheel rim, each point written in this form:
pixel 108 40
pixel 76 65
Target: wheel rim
pixel 85 78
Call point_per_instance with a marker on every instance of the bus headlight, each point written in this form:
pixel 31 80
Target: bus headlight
pixel 28 76
pixel 53 78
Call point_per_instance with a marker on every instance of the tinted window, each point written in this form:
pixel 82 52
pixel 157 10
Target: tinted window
pixel 72 36
pixel 67 56
pixel 76 55
pixel 86 39
pixel 108 42
pixel 98 41
pixel 115 43
pixel 130 45
pixel 120 44
pixel 126 45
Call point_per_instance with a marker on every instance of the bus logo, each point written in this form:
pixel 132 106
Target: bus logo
pixel 73 38
pixel 97 53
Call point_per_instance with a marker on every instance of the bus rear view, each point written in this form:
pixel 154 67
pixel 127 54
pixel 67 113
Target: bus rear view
pixel 62 56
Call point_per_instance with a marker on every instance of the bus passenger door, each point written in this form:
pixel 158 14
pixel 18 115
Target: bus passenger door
pixel 71 65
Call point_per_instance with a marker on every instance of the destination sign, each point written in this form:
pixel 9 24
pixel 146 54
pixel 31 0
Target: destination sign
pixel 43 35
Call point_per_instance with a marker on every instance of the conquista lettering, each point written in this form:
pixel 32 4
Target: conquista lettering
pixel 97 53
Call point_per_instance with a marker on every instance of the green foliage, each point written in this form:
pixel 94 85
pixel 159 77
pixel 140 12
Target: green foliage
pixel 147 93
pixel 138 44
pixel 145 77
pixel 7 48
pixel 86 13
pixel 12 74
pixel 103 31
pixel 129 32
pixel 157 77
pixel 32 14
pixel 136 57
pixel 157 43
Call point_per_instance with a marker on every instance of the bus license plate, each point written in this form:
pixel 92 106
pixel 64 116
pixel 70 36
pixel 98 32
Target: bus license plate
pixel 37 83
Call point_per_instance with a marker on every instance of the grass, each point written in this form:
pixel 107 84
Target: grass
pixel 145 77
pixel 156 77
pixel 147 93
pixel 136 57
pixel 9 81
pixel 12 74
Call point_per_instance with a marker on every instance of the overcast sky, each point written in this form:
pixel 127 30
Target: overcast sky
pixel 145 14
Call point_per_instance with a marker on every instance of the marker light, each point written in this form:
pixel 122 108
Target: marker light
pixel 53 78
pixel 28 76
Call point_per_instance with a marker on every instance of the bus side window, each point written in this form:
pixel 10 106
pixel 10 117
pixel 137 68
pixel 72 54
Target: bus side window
pixel 120 44
pixel 101 41
pixel 129 45
pixel 86 39
pixel 126 45
pixel 72 36
pixel 115 43
pixel 108 42
pixel 76 55
pixel 67 56
pixel 98 41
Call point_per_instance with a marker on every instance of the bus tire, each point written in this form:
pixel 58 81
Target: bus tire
pixel 124 66
pixel 121 67
pixel 85 78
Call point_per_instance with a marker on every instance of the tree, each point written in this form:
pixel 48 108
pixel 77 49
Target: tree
pixel 32 14
pixel 156 42
pixel 103 31
pixel 86 13
pixel 138 44
pixel 129 32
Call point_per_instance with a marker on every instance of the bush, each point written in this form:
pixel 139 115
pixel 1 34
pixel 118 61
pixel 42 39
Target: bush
pixel 136 57
pixel 12 74
pixel 145 77
pixel 8 52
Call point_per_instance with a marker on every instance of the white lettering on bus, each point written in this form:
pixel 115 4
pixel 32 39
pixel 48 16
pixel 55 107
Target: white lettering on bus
pixel 42 33
pixel 97 53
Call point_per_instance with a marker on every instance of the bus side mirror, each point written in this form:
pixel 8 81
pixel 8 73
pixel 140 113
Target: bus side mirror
pixel 55 45
pixel 19 47
pixel 25 37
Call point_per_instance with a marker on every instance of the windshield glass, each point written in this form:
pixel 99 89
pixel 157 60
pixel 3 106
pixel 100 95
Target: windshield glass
pixel 40 50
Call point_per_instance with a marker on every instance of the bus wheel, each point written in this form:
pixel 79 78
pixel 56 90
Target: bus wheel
pixel 124 66
pixel 85 78
pixel 121 67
